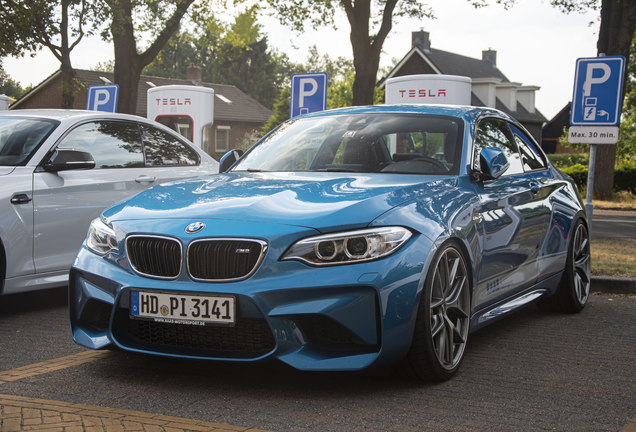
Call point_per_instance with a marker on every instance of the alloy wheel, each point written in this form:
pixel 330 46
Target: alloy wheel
pixel 582 264
pixel 450 306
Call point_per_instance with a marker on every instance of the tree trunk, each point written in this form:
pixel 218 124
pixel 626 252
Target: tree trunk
pixel 366 65
pixel 127 69
pixel 68 82
pixel 366 48
pixel 618 21
pixel 129 64
pixel 68 74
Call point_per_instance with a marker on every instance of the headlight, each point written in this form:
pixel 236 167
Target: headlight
pixel 101 238
pixel 348 247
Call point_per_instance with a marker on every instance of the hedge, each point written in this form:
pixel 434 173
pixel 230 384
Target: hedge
pixel 624 176
pixel 567 160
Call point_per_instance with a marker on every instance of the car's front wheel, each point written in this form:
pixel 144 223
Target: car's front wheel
pixel 443 320
pixel 575 285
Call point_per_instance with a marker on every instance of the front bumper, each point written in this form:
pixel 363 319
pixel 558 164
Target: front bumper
pixel 345 317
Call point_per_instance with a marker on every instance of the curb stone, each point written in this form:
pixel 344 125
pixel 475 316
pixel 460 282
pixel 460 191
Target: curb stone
pixel 614 284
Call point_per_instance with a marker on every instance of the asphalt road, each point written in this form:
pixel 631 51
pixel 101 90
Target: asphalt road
pixel 614 223
pixel 532 371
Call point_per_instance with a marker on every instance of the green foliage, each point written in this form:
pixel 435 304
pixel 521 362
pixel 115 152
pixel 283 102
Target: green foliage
pixel 578 173
pixel 567 160
pixel 174 58
pixel 281 111
pixel 624 176
pixel 8 86
pixel 340 93
pixel 234 54
pixel 107 66
pixel 298 14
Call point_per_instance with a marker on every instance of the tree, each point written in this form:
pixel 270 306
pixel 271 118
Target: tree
pixel 29 25
pixel 8 86
pixel 235 54
pixel 161 19
pixel 174 58
pixel 618 22
pixel 370 22
pixel 339 91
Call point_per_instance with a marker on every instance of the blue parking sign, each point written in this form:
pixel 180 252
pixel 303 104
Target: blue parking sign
pixel 308 93
pixel 598 90
pixel 103 98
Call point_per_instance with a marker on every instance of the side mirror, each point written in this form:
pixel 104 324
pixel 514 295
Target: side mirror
pixel 68 159
pixel 493 163
pixel 229 159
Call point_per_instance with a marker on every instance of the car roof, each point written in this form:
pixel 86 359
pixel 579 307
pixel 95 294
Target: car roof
pixel 460 111
pixel 59 114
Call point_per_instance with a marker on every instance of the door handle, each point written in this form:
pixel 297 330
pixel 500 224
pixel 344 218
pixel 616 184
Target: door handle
pixel 145 179
pixel 20 199
pixel 535 188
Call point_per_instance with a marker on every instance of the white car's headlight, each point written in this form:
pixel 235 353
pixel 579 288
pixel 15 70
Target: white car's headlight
pixel 101 238
pixel 348 247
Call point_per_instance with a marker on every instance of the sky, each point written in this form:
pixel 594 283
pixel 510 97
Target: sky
pixel 536 44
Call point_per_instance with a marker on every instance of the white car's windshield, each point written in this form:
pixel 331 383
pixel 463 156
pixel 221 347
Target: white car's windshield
pixel 382 143
pixel 21 137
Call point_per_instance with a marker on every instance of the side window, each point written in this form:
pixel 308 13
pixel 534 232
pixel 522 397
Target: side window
pixel 495 133
pixel 164 149
pixel 529 157
pixel 112 144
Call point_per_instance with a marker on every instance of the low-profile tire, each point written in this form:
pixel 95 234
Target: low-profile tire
pixel 574 289
pixel 443 320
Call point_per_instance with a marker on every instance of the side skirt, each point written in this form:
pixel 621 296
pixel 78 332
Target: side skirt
pixel 543 289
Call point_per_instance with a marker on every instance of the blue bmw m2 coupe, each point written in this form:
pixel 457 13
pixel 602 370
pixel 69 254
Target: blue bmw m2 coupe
pixel 343 240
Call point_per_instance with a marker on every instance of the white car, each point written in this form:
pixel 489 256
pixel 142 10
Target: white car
pixel 59 169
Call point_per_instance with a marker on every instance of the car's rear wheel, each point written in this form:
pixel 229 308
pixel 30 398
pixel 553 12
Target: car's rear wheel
pixel 443 320
pixel 575 285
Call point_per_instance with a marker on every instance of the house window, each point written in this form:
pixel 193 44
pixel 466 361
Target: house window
pixel 222 140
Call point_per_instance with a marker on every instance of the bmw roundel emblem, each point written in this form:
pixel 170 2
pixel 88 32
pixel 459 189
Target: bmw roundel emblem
pixel 194 227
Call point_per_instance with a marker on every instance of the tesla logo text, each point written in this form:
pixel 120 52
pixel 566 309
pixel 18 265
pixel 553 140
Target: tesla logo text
pixel 174 101
pixel 423 93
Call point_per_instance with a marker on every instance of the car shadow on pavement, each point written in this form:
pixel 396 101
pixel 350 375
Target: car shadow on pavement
pixel 33 301
pixel 127 373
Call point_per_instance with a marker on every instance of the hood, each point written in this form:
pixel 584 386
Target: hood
pixel 4 170
pixel 324 201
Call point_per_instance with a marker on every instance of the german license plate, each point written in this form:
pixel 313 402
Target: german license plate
pixel 182 309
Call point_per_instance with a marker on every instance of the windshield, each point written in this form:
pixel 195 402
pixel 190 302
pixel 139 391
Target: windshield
pixel 21 137
pixel 381 143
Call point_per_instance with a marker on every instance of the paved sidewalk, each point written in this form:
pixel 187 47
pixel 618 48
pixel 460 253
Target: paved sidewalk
pixel 19 413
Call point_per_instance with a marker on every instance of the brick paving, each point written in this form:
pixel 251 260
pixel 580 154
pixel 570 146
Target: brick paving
pixel 19 413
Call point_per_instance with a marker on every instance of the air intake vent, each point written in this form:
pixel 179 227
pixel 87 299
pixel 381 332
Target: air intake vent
pixel 154 256
pixel 224 259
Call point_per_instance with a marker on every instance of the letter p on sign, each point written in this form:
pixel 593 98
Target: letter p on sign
pixel 303 89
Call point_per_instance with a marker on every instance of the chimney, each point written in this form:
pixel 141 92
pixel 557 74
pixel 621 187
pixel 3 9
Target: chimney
pixel 193 73
pixel 490 56
pixel 420 39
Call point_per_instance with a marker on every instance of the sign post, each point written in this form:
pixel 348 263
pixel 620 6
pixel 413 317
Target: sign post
pixel 103 98
pixel 596 110
pixel 308 93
